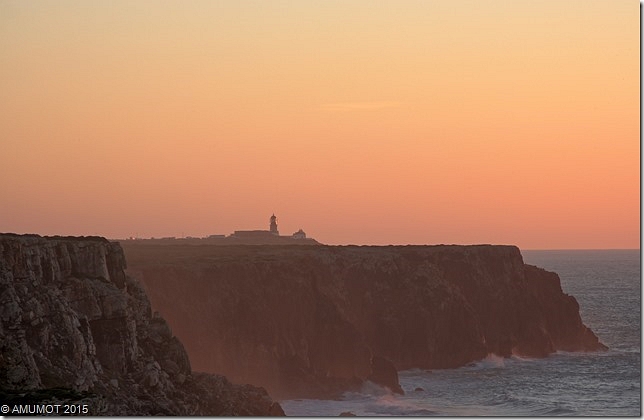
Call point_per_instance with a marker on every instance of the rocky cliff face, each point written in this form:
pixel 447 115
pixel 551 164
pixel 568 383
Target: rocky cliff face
pixel 309 321
pixel 74 327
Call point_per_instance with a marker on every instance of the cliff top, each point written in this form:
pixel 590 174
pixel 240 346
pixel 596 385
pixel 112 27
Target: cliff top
pixel 10 235
pixel 136 249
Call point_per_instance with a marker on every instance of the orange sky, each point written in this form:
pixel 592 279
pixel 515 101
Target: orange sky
pixel 361 122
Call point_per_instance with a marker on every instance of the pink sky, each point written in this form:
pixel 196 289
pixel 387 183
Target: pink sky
pixel 405 122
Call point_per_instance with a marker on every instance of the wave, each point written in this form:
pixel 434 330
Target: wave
pixel 391 405
pixel 492 361
pixel 563 384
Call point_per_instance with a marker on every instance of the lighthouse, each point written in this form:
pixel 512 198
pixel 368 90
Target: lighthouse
pixel 273 228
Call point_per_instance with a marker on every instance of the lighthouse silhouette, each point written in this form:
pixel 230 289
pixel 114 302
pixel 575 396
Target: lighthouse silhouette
pixel 273 228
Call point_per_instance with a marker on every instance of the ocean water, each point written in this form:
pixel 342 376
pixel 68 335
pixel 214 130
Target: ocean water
pixel 607 286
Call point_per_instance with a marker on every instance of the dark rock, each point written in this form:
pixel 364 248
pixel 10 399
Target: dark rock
pixel 418 389
pixel 384 373
pixel 74 328
pixel 307 321
pixel 347 414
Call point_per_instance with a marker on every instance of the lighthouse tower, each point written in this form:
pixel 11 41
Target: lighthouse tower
pixel 273 229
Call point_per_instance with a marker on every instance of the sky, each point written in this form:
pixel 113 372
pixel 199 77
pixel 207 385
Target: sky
pixel 360 122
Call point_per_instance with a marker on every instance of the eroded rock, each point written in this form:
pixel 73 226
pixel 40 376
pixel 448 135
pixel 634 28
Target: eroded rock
pixel 75 328
pixel 308 321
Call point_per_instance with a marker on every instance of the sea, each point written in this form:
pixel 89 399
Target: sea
pixel 607 285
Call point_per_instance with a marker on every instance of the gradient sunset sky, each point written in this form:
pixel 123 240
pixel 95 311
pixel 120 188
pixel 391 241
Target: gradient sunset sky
pixel 361 122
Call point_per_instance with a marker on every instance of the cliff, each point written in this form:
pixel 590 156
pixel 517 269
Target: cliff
pixel 312 321
pixel 75 328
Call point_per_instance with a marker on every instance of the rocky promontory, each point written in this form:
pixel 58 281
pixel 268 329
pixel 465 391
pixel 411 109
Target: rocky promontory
pixel 312 321
pixel 74 328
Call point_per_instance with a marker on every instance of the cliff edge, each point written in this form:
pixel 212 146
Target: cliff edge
pixel 314 321
pixel 74 328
